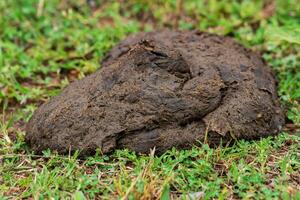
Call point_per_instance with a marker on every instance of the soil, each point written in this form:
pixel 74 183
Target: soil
pixel 162 89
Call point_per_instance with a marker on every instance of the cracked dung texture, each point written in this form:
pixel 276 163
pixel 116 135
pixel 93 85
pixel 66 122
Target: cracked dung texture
pixel 162 89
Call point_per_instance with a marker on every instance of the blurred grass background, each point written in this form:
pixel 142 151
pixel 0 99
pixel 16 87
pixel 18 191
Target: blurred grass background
pixel 45 44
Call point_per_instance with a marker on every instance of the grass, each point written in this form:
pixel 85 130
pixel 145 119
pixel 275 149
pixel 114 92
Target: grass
pixel 44 45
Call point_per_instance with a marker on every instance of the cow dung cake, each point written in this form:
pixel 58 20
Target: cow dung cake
pixel 162 89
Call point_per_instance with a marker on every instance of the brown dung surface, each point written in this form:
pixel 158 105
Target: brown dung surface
pixel 162 89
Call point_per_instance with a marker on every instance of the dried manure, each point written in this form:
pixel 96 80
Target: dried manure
pixel 162 89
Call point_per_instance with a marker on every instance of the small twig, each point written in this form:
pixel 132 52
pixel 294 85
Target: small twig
pixel 40 8
pixel 206 133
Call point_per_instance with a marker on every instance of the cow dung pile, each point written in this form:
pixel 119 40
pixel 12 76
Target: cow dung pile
pixel 162 89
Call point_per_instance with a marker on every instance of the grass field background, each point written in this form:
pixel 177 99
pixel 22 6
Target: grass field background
pixel 46 44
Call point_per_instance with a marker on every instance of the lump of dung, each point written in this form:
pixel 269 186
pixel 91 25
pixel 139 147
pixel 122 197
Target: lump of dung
pixel 162 89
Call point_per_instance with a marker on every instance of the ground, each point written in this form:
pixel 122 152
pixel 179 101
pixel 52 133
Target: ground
pixel 44 45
